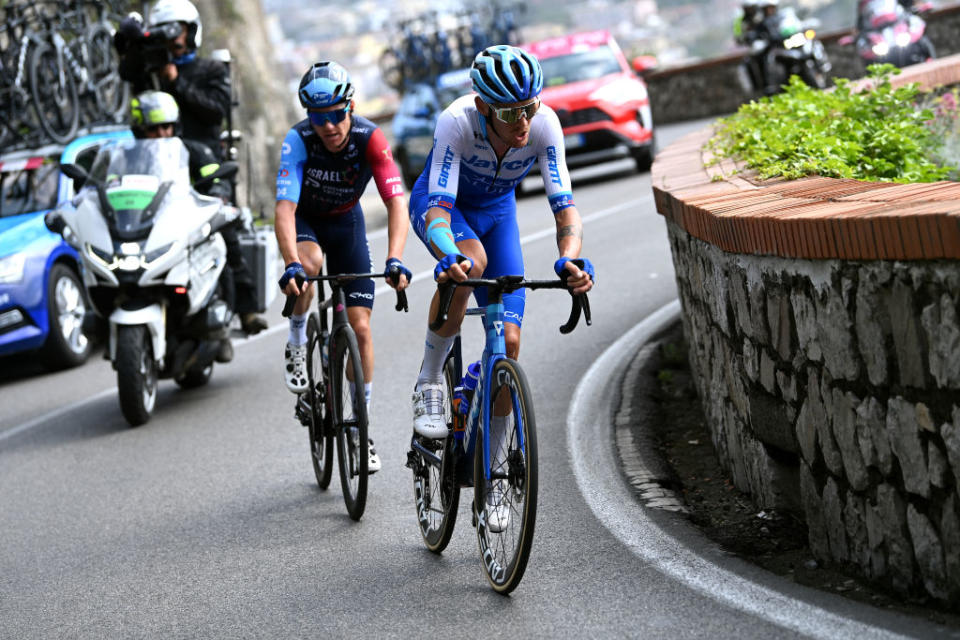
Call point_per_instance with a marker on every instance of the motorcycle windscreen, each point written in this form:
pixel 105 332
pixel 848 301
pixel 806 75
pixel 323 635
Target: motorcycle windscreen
pixel 881 13
pixel 134 172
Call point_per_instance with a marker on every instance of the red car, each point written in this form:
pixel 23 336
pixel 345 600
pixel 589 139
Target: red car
pixel 603 105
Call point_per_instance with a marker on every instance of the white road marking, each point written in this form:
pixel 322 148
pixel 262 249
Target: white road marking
pixel 590 437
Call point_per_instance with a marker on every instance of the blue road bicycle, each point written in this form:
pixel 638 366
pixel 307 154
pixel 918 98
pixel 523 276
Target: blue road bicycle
pixel 491 446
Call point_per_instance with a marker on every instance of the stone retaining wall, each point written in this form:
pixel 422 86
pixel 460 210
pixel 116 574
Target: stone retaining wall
pixel 822 317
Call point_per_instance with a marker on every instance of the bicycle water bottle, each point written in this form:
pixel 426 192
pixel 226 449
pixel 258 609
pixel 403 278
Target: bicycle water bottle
pixel 469 382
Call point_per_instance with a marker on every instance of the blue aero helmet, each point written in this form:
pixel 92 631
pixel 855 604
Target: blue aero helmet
pixel 504 74
pixel 324 85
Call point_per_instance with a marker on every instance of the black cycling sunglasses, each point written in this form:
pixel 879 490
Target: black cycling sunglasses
pixel 320 118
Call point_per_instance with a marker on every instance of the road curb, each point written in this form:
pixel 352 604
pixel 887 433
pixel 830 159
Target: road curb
pixel 648 475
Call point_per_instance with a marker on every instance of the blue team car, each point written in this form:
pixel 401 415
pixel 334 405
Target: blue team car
pixel 42 298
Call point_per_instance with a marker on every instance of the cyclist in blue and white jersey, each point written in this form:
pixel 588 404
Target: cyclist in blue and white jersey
pixel 326 162
pixel 464 209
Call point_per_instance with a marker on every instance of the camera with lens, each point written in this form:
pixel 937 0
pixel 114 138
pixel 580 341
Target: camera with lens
pixel 143 51
pixel 153 45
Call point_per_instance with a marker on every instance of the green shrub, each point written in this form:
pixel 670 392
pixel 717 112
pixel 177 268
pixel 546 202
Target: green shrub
pixel 879 134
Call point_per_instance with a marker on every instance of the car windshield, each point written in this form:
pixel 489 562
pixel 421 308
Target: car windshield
pixel 30 187
pixel 582 65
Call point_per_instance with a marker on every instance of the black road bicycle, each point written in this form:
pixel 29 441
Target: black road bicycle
pixel 333 407
pixel 501 467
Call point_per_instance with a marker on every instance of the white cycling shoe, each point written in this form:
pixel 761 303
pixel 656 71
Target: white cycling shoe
pixel 374 464
pixel 428 418
pixel 295 368
pixel 498 512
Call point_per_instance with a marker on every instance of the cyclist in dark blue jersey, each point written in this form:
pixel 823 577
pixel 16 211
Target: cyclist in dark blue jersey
pixel 326 162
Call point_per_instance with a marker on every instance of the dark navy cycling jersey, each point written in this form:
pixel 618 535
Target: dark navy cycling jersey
pixel 326 187
pixel 325 183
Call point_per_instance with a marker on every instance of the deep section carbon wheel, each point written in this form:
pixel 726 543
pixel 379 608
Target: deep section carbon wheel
pixel 350 415
pixel 505 499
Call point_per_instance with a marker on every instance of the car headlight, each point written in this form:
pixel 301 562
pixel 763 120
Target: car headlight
pixel 618 93
pixel 11 268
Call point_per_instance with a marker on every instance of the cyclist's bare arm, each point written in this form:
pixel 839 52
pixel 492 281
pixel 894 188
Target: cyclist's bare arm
pixel 285 227
pixel 569 243
pixel 398 223
pixel 386 176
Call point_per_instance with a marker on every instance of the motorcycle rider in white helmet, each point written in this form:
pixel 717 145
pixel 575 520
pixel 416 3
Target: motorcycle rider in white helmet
pixel 201 87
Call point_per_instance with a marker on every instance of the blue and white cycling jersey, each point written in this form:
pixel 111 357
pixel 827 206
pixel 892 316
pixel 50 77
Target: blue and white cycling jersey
pixel 464 177
pixel 463 167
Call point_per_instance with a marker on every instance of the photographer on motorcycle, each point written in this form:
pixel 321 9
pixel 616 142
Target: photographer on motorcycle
pixel 154 114
pixel 164 56
pixel 751 30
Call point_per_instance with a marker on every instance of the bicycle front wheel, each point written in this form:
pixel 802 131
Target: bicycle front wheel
pixel 321 435
pixel 505 491
pixel 350 413
pixel 435 489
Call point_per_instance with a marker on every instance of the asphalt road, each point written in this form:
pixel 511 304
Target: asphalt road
pixel 206 522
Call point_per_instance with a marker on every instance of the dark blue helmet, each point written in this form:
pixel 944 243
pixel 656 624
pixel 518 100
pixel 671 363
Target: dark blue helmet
pixel 324 85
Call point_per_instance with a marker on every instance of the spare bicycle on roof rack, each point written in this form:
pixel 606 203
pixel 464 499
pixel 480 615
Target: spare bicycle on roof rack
pixel 58 71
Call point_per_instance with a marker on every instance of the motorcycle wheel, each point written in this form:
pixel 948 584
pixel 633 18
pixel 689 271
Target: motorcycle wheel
pixel 925 50
pixel 136 374
pixel 813 77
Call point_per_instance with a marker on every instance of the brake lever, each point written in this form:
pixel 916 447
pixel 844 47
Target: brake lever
pixel 443 309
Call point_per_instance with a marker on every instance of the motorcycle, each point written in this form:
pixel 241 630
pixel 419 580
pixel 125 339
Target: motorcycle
pixel 787 47
pixel 153 262
pixel 889 33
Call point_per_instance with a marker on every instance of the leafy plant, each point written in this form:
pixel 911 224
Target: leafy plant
pixel 878 134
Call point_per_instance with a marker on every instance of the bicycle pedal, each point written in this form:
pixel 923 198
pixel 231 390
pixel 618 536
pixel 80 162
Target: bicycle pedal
pixel 303 412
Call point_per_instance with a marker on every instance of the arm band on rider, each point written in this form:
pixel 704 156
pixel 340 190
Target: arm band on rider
pixel 442 237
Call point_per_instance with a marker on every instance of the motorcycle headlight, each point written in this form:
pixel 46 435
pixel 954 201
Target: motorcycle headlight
pixel 794 41
pixel 153 256
pixel 108 260
pixel 881 49
pixel 903 39
pixel 11 268
pixel 129 263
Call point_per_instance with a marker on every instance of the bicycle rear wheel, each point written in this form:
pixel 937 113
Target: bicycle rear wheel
pixel 435 489
pixel 321 435
pixel 110 91
pixel 54 93
pixel 350 413
pixel 506 504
